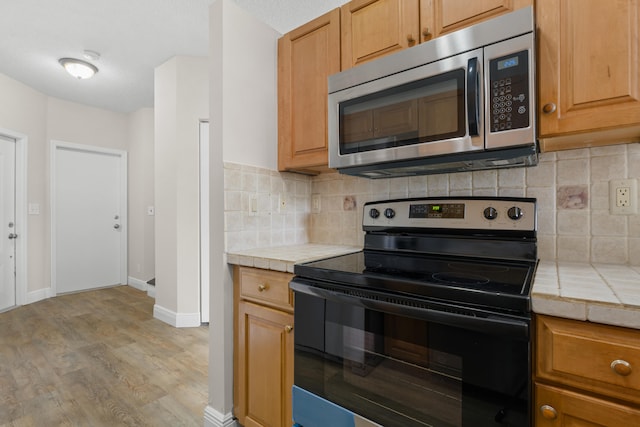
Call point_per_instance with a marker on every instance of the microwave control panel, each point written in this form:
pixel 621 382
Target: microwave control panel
pixel 509 92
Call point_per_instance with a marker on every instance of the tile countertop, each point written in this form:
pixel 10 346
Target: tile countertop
pixel 282 258
pixel 600 293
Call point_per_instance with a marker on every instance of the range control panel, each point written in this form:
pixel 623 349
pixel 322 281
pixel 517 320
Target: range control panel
pixel 497 213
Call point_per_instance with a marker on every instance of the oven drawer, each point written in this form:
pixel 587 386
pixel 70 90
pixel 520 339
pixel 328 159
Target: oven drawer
pixel 597 358
pixel 266 287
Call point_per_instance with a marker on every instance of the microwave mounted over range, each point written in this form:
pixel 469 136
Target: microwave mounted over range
pixel 463 101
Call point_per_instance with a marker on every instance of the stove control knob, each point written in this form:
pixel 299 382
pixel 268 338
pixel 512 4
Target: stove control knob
pixel 515 213
pixel 490 213
pixel 389 213
pixel 374 213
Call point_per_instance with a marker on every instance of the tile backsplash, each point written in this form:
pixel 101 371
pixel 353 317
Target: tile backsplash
pixel 572 188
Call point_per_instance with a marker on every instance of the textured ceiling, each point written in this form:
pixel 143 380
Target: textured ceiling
pixel 132 36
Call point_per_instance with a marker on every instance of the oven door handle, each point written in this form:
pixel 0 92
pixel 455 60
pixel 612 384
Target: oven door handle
pixel 494 325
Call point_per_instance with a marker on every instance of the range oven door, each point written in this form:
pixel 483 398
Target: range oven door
pixel 398 363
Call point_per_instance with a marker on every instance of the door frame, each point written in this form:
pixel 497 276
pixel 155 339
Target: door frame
pixel 204 213
pixel 21 213
pixel 55 145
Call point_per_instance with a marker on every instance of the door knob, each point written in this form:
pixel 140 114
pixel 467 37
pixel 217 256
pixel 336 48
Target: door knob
pixel 116 226
pixel 13 236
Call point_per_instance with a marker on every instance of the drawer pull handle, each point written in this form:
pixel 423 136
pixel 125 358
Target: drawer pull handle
pixel 426 33
pixel 621 367
pixel 288 328
pixel 262 288
pixel 410 40
pixel 548 412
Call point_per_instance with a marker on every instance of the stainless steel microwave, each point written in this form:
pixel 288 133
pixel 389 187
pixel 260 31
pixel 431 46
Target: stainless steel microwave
pixel 463 101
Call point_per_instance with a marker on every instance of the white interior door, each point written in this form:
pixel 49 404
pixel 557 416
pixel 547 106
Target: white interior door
pixel 7 223
pixel 89 212
pixel 204 222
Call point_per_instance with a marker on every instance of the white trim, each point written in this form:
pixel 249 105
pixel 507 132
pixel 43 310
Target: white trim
pixel 39 295
pixel 55 145
pixel 140 285
pixel 204 241
pixel 213 418
pixel 151 291
pixel 178 320
pixel 21 141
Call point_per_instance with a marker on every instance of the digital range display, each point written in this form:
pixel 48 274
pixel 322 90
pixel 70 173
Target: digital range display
pixel 440 210
pixel 508 63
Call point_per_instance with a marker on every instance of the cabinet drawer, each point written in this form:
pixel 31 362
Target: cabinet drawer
pixel 598 358
pixel 555 407
pixel 265 286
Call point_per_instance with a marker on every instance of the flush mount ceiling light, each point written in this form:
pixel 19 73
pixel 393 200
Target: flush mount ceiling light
pixel 78 68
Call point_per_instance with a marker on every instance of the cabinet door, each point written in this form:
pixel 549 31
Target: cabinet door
pixel 306 57
pixel 265 371
pixel 451 15
pixel 589 66
pixel 374 28
pixel 555 407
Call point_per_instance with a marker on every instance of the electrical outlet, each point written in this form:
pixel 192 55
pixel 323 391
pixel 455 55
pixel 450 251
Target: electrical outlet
pixel 623 196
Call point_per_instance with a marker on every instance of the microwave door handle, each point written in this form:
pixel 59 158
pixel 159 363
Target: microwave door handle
pixel 473 95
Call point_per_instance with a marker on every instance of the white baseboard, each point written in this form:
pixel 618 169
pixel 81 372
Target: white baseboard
pixel 178 320
pixel 140 285
pixel 39 295
pixel 213 418
pixel 151 291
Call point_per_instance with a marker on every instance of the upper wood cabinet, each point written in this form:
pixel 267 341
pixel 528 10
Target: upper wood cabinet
pixel 374 28
pixel 306 57
pixel 452 15
pixel 589 72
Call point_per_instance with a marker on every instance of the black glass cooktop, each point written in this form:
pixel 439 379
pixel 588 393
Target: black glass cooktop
pixel 482 282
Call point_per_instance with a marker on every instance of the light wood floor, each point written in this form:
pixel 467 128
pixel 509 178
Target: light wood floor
pixel 99 358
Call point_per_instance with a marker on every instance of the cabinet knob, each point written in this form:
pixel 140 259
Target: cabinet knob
pixel 288 328
pixel 426 33
pixel 549 108
pixel 621 367
pixel 262 288
pixel 410 40
pixel 548 412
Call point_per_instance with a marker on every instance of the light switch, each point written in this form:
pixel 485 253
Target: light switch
pixel 34 209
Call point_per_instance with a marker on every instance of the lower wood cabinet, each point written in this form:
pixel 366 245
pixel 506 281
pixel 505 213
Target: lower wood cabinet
pixel 263 354
pixel 563 408
pixel 586 374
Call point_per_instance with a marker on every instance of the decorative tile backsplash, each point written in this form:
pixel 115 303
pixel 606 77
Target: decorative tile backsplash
pixel 572 188
pixel 264 208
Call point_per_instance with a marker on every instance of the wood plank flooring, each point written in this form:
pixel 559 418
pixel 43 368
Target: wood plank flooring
pixel 99 358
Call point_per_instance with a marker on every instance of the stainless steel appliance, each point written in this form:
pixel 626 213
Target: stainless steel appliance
pixel 463 101
pixel 429 325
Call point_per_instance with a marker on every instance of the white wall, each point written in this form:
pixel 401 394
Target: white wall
pixel 181 100
pixel 141 226
pixel 243 130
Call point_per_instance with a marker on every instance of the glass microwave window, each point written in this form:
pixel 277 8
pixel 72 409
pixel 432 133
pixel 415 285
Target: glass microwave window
pixel 425 110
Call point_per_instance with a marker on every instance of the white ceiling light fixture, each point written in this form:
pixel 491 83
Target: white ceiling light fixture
pixel 78 68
